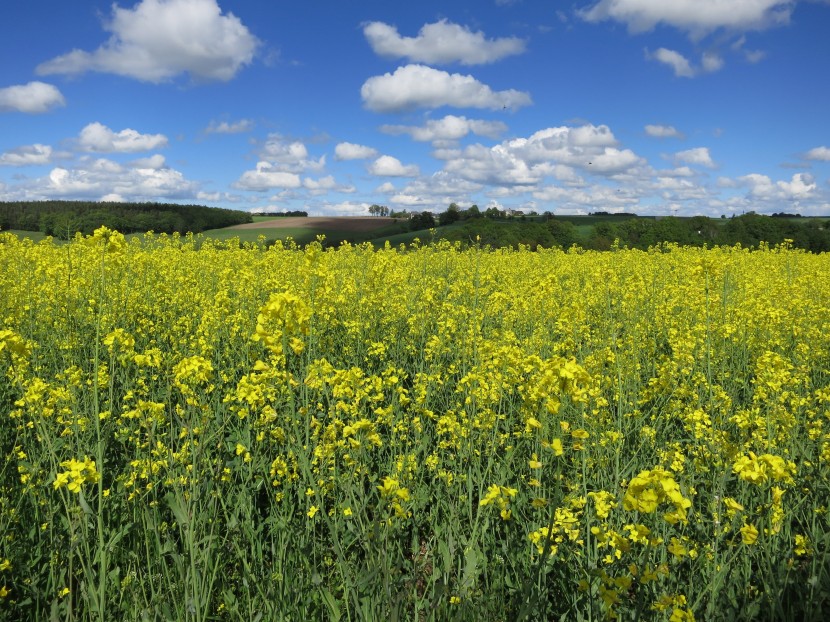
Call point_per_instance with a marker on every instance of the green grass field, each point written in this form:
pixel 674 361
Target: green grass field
pixel 334 235
pixel 35 236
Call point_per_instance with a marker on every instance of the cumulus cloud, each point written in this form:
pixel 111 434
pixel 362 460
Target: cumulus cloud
pixel 435 191
pixel 583 200
pixel 818 153
pixel 97 137
pixel 94 179
pixel 32 98
pixel 155 161
pixel 236 127
pixel 419 86
pixel 403 199
pixel 663 131
pixel 551 152
pixel 497 165
pixel 386 187
pixel 449 128
pixel 441 42
pixel 800 186
pixel 387 166
pixel 343 208
pixel 157 40
pixel 698 155
pixel 679 171
pixel 679 63
pixel 711 62
pixel 696 17
pixel 267 176
pixel 281 162
pixel 324 185
pixel 29 155
pixel 352 151
pixel 290 156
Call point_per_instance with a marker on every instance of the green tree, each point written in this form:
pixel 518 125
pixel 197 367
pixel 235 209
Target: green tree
pixel 453 214
pixel 424 220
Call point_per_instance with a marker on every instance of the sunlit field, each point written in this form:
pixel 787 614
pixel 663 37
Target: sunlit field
pixel 198 430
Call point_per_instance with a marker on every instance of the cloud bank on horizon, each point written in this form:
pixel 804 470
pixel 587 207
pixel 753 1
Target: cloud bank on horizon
pixel 688 107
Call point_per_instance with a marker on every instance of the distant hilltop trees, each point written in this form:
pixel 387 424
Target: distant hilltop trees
pixel 62 219
pixel 294 214
pixel 603 230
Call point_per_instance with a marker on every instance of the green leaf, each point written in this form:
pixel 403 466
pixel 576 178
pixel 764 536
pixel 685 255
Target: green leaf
pixel 331 603
pixel 178 511
pixel 84 505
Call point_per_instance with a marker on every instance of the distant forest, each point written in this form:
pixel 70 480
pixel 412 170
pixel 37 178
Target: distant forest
pixel 601 230
pixel 289 214
pixel 62 219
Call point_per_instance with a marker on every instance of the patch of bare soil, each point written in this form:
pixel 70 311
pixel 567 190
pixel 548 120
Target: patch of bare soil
pixel 357 224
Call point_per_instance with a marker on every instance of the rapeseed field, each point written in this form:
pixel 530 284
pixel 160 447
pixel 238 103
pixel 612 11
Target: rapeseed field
pixel 196 430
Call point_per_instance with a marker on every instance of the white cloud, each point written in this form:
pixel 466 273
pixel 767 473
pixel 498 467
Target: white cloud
pixel 93 179
pixel 698 155
pixel 497 165
pixel 218 197
pixel 29 155
pixel 419 86
pixel 801 186
pixel 818 153
pixel 449 128
pixel 675 60
pixel 267 176
pixel 99 138
pixel 352 151
pixel 697 17
pixel 112 197
pixel 211 197
pixel 343 208
pixel 290 156
pixel 677 189
pixel 410 200
pixel 324 185
pixel 583 200
pixel 280 165
pixel 527 161
pixel 663 131
pixel 158 40
pixel 613 161
pixel 387 166
pixel 386 187
pixel 441 42
pixel 727 182
pixel 754 56
pixel 435 192
pixel 711 62
pixel 155 161
pixel 31 98
pixel 680 171
pixel 237 127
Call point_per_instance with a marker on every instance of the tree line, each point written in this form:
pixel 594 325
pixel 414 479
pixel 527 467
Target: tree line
pixel 62 219
pixel 749 230
pixel 500 228
pixel 291 213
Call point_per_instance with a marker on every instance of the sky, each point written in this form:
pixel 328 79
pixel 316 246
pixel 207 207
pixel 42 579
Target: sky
pixel 656 107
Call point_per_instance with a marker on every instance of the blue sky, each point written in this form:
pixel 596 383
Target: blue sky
pixel 649 106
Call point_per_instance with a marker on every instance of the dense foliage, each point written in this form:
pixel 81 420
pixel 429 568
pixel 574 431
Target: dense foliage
pixel 223 433
pixel 62 219
pixel 600 232
pixel 286 214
